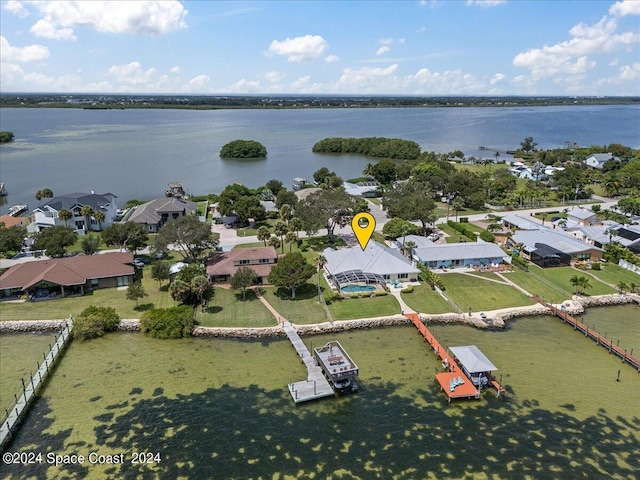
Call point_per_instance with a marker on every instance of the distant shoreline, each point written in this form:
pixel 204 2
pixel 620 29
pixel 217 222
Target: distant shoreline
pixel 293 102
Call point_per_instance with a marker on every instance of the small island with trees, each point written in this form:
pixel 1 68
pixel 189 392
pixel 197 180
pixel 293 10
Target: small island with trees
pixel 243 149
pixel 376 147
pixel 6 137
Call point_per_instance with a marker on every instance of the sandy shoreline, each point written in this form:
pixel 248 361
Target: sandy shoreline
pixel 494 319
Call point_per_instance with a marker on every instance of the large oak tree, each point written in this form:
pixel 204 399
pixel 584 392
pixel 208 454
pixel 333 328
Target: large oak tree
pixel 189 237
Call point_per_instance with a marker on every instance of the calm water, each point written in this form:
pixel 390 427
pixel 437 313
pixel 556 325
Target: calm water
pixel 135 153
pixel 220 409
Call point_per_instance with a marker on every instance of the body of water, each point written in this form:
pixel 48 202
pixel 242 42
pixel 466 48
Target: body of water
pixel 135 153
pixel 220 409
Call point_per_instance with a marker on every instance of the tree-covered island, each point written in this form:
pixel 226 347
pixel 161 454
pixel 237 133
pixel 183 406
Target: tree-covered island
pixel 6 137
pixel 377 147
pixel 243 149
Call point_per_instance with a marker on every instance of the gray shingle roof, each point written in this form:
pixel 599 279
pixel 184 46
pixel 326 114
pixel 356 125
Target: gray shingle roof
pixel 553 238
pixel 150 212
pixel 68 201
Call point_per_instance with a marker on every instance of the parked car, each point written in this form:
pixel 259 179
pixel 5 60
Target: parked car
pixel 138 263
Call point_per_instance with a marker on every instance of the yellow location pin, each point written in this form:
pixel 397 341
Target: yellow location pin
pixel 363 225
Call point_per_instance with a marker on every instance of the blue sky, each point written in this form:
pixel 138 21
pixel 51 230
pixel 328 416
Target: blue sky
pixel 439 47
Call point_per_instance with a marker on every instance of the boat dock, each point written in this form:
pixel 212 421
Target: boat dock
pixel 454 382
pixel 316 385
pixel 15 210
pixel 30 388
pixel 627 357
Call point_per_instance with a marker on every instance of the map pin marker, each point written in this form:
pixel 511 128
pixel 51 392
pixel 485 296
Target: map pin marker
pixel 363 225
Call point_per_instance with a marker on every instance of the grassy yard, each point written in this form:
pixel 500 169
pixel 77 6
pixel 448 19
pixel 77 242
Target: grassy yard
pixel 559 276
pixel 536 285
pixel 304 309
pixel 613 274
pixel 228 309
pixel 425 300
pixel 352 308
pixel 468 291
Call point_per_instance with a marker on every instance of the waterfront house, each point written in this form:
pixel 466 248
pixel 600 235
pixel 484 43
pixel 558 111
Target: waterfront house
pixel 597 160
pixel 515 222
pixel 460 255
pixel 46 214
pixel 546 247
pixel 154 214
pixel 376 264
pixel 60 277
pixel 368 189
pixel 222 265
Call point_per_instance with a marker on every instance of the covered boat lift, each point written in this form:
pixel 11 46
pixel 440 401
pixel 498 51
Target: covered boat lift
pixel 474 364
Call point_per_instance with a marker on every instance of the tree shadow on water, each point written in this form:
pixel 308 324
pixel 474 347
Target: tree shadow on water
pixel 233 432
pixel 236 433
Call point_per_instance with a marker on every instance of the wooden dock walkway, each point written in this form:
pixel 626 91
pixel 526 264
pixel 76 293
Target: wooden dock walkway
pixel 316 385
pixel 466 388
pixel 21 405
pixel 627 357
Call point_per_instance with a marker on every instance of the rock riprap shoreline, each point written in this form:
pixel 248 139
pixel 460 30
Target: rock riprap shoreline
pixel 494 319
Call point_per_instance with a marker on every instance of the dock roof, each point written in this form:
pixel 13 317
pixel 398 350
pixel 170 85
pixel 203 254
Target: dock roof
pixel 472 359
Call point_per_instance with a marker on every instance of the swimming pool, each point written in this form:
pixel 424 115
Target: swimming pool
pixel 357 288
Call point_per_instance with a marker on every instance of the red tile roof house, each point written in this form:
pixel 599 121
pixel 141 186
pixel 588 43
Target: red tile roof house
pixel 60 277
pixel 221 265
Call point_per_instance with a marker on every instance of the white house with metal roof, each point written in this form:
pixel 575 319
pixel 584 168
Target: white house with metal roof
pixel 559 242
pixel 597 160
pixel 376 264
pixel 459 255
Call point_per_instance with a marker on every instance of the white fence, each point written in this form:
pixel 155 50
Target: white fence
pixel 629 266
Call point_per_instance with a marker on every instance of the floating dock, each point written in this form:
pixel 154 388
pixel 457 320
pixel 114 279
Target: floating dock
pixel 454 381
pixel 627 357
pixel 316 385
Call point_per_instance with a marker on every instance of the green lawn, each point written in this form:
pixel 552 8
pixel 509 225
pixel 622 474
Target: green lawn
pixel 228 309
pixel 352 308
pixel 304 309
pixel 538 286
pixel 613 274
pixel 249 231
pixel 559 276
pixel 425 300
pixel 468 291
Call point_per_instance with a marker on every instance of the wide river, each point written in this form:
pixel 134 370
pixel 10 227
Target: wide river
pixel 135 153
pixel 220 409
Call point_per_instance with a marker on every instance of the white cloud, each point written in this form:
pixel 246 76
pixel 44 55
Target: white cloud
pixel 382 50
pixel 17 8
pixel 386 41
pixel 196 84
pixel 486 3
pixel 627 73
pixel 131 74
pixel 626 7
pixel 175 70
pixel 331 58
pixel 38 79
pixel 45 29
pixel 447 82
pixel 29 53
pixel 140 17
pixel 299 49
pixel 570 57
pixel 273 77
pixel 354 80
pixel 498 77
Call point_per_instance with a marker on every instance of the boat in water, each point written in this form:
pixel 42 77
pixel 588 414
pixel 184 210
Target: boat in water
pixel 15 210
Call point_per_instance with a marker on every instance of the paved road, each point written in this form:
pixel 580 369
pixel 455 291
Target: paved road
pixel 228 236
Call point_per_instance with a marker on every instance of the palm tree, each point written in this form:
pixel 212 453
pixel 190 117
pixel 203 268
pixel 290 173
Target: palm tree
pixel 274 242
pixel 622 286
pixel 457 205
pixel 87 212
pixel 291 238
pixel 263 234
pixel 100 217
pixel 65 215
pixel 281 230
pixel 580 284
pixel 408 249
pixel 285 213
pixel 319 262
pixel 295 224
